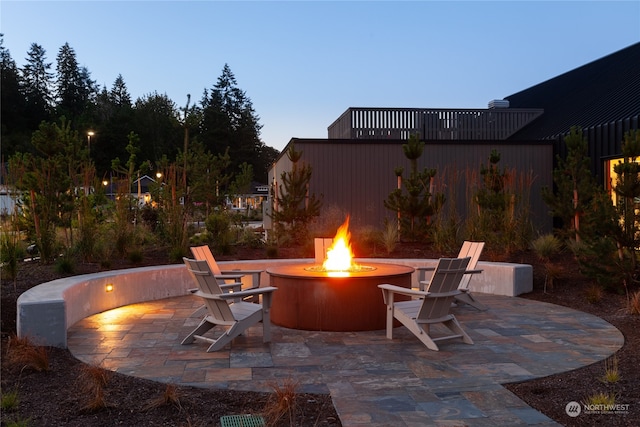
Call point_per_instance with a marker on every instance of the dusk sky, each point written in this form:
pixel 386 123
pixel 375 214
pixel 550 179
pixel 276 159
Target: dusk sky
pixel 303 63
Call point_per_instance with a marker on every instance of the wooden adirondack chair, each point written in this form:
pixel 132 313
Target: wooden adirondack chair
pixel 222 310
pixel 469 249
pixel 203 253
pixel 432 306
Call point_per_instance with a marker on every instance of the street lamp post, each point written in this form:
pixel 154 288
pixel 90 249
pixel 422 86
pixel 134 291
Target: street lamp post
pixel 89 135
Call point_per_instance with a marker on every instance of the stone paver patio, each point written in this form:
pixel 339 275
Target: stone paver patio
pixel 373 381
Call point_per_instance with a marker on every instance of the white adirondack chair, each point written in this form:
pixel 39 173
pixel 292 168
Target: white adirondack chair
pixel 468 249
pixel 203 253
pixel 431 306
pixel 226 309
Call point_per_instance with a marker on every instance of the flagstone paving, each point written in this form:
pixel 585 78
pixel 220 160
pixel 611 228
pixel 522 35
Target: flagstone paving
pixel 373 381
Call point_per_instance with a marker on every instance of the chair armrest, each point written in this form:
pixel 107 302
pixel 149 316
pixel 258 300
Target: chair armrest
pixel 228 276
pixel 248 292
pixel 403 291
pixel 243 272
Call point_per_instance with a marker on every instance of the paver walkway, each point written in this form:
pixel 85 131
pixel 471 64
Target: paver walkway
pixel 373 381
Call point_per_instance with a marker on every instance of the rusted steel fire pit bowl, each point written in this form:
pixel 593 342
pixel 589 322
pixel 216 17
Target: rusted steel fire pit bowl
pixel 312 300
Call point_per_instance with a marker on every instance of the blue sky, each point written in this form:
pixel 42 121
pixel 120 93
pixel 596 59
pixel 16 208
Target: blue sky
pixel 303 63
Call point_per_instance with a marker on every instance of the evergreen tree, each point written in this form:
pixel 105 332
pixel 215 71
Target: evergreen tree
pixel 229 120
pixel 112 124
pixel 294 206
pixel 72 95
pixel 15 132
pixel 155 118
pixel 119 95
pixel 36 86
pixel 574 184
pixel 416 207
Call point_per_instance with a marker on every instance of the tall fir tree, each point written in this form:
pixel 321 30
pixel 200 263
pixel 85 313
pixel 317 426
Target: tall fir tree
pixel 15 132
pixel 36 86
pixel 229 120
pixel 70 95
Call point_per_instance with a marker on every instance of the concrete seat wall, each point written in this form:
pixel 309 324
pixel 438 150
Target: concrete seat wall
pixel 46 311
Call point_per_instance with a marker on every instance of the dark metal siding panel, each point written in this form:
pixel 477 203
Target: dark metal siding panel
pixel 357 177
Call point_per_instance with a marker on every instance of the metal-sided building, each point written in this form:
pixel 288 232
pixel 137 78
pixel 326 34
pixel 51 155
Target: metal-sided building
pixel 353 169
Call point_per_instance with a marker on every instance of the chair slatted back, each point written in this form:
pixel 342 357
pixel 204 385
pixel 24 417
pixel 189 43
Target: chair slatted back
pixel 443 287
pixel 472 250
pixel 203 253
pixel 321 246
pixel 208 285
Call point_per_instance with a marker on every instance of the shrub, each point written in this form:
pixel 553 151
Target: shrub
pixel 91 382
pixel 281 403
pixel 9 401
pixel 593 294
pixel 634 303
pixel 170 397
pixel 601 398
pixel 546 246
pixel 65 265
pixel 219 228
pixel 390 236
pixel 611 372
pixel 22 352
pixel 135 256
pixel 9 253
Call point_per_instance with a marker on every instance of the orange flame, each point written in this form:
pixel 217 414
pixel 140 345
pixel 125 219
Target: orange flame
pixel 339 256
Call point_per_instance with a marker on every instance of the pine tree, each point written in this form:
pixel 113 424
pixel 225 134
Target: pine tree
pixel 155 118
pixel 36 86
pixel 294 205
pixel 71 95
pixel 229 120
pixel 413 200
pixel 13 106
pixel 574 184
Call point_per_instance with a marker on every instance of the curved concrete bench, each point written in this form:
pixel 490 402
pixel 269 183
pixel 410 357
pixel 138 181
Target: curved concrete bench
pixel 46 311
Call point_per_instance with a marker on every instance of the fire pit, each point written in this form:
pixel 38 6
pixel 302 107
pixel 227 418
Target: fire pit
pixel 314 301
pixel 337 295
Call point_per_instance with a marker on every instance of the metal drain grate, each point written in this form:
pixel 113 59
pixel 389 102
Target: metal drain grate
pixel 241 421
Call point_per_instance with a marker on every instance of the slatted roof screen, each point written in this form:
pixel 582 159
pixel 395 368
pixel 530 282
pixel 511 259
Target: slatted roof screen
pixel 431 124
